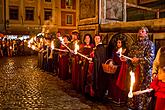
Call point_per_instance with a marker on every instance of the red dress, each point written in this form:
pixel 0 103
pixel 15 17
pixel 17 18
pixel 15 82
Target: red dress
pixel 159 88
pixel 84 78
pixel 63 64
pixel 75 69
pixel 116 82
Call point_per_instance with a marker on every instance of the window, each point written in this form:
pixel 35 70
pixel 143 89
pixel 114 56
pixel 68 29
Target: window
pixel 29 13
pixel 68 4
pixel 47 0
pixel 69 19
pixel 13 12
pixel 47 14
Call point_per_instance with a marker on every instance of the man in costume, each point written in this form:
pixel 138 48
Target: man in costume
pixel 99 77
pixel 142 54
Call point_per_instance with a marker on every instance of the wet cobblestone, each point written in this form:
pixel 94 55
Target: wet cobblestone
pixel 24 86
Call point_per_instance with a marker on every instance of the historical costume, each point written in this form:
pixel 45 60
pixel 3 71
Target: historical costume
pixel 55 54
pixel 158 83
pixel 64 61
pixel 86 77
pixel 142 54
pixel 115 92
pixel 99 77
pixel 75 62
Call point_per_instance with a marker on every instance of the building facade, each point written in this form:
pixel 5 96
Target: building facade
pixel 34 16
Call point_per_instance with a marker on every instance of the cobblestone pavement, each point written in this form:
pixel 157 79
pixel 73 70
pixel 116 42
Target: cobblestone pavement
pixel 23 86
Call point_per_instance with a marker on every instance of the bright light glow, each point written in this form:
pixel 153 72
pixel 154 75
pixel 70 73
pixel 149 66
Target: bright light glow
pixel 76 47
pixel 52 44
pixel 132 74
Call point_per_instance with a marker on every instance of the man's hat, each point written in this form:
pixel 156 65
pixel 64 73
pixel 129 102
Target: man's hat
pixel 75 32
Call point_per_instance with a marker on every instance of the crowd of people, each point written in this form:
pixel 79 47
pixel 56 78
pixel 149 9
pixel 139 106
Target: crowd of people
pixel 89 78
pixel 11 48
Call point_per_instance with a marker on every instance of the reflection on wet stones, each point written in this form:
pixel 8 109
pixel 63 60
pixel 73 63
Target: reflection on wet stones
pixel 24 86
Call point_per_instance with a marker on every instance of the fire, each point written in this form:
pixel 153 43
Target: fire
pixel 76 47
pixel 132 74
pixel 121 55
pixel 52 45
pixel 33 47
pixel 29 42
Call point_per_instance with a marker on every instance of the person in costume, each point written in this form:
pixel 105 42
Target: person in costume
pixel 116 93
pixel 158 74
pixel 55 53
pixel 75 66
pixel 64 60
pixel 86 77
pixel 99 78
pixel 142 54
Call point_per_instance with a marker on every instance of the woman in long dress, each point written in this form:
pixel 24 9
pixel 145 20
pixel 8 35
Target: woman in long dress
pixel 115 91
pixel 86 76
pixel 64 60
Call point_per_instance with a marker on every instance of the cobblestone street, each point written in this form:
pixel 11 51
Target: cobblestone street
pixel 25 86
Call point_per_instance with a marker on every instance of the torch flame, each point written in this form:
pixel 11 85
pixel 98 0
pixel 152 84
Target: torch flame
pixel 52 45
pixel 132 74
pixel 33 47
pixel 29 42
pixel 76 48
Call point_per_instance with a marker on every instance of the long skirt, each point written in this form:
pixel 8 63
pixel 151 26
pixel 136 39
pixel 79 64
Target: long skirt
pixel 76 73
pixel 64 67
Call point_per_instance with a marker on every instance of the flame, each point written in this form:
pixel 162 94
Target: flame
pixel 33 47
pixel 132 74
pixel 52 44
pixel 41 40
pixel 29 42
pixel 35 38
pixel 76 47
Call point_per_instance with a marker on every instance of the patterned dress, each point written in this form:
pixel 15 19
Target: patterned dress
pixel 144 50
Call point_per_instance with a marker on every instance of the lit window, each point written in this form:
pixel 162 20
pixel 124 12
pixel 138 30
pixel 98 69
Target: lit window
pixel 29 13
pixel 47 14
pixel 13 12
pixel 68 4
pixel 69 19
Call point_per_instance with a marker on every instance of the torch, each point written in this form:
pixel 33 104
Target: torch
pixel 142 91
pixel 132 74
pixel 121 55
pixel 52 47
pixel 77 48
pixel 62 42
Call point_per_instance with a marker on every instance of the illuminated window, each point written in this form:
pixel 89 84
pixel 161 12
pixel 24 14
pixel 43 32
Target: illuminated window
pixel 68 3
pixel 29 13
pixel 13 12
pixel 47 14
pixel 69 19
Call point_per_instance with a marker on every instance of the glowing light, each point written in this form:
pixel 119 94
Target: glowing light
pixel 76 47
pixel 52 45
pixel 132 74
pixel 121 55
